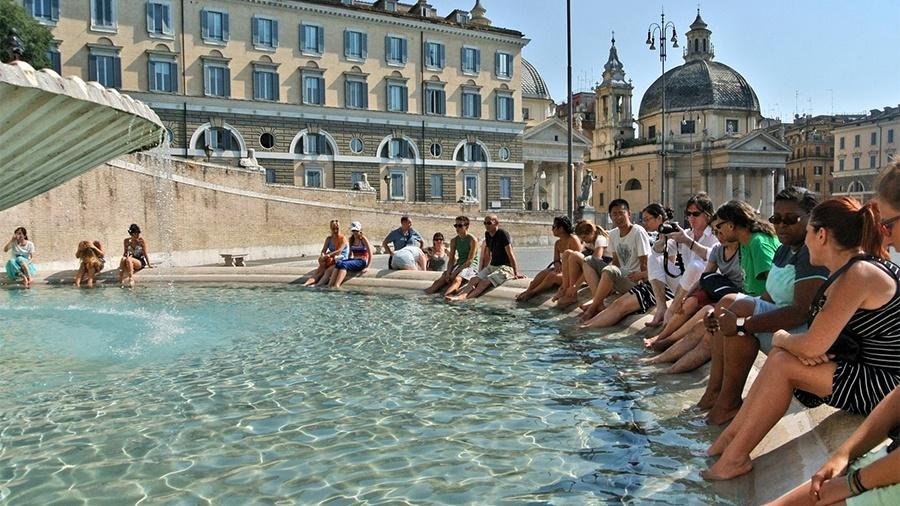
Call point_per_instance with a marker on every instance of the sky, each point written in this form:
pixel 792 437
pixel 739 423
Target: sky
pixel 800 56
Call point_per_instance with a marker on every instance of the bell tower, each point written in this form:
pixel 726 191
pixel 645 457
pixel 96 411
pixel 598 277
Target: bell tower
pixel 612 108
pixel 699 43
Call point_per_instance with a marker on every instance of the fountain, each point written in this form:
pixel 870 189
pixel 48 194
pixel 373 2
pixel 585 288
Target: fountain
pixel 55 128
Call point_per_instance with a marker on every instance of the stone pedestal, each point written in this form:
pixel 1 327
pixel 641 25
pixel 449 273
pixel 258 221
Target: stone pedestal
pixel 586 213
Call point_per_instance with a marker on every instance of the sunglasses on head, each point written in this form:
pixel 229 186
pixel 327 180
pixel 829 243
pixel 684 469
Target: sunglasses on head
pixel 889 223
pixel 790 219
pixel 695 214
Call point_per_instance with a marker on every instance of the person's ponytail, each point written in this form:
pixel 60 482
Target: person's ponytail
pixel 871 239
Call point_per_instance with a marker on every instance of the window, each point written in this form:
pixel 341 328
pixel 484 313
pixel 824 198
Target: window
pixel 855 163
pixel 221 139
pixel 105 67
pixel 890 136
pixel 356 94
pixel 313 178
pixel 471 152
pixel 856 141
pixel 55 58
pixel 651 132
pixel 397 97
pixel 270 176
pixel 398 185
pixel 874 138
pixel 159 18
pixel 632 184
pixel 436 150
pixel 216 79
pixel 841 142
pixel 45 11
pixel 356 146
pixel 688 126
pixel 471 103
pixel 395 50
pixel 872 162
pixel 355 45
pixel 435 99
pixel 841 164
pixel 267 140
pixel 312 40
pixel 214 26
pixel 817 170
pixel 818 187
pixel 505 188
pixel 313 88
pixel 818 150
pixel 434 56
pixel 397 148
pixel 313 144
pixel 470 60
pixel 505 106
pixel 471 185
pixel 103 15
pixel 503 65
pixel 526 114
pixel 437 186
pixel 162 72
pixel 504 153
pixel 265 83
pixel 731 126
pixel 265 33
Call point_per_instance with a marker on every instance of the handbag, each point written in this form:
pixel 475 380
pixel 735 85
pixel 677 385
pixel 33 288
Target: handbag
pixel 716 285
pixel 846 347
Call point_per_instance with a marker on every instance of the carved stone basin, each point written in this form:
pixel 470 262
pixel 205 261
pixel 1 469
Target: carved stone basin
pixel 54 128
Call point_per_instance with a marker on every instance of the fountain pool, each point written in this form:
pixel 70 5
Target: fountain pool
pixel 239 394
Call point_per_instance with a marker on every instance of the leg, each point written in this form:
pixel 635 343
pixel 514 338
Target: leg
pixel 717 353
pixel 467 290
pixel 79 275
pixel 533 287
pixel 422 263
pixel 482 286
pixel 688 313
pixel 677 350
pixel 622 307
pixel 455 283
pixel 438 284
pixel 740 352
pixel 337 278
pixel 90 274
pixel 326 277
pixel 693 359
pixel 659 292
pixel 768 401
pixel 604 288
pixel 320 270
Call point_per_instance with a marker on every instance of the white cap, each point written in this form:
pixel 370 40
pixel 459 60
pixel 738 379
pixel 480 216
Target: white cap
pixel 355 226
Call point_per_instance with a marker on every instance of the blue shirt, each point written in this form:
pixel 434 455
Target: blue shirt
pixel 400 240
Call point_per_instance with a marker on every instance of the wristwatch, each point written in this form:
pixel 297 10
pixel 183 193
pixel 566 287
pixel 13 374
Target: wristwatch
pixel 741 331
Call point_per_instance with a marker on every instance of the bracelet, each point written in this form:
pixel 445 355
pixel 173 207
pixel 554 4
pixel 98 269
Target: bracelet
pixel 858 482
pixel 850 485
pixel 692 245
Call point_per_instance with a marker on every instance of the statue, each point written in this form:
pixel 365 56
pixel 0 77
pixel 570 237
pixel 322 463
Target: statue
pixel 577 119
pixel 468 198
pixel 363 184
pixel 250 162
pixel 587 188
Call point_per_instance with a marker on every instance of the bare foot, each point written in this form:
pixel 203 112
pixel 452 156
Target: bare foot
pixel 586 305
pixel 566 301
pixel 657 320
pixel 27 282
pixel 455 298
pixel 648 342
pixel 131 282
pixel 721 442
pixel 720 416
pixel 524 296
pixel 722 470
pixel 708 400
pixel 590 313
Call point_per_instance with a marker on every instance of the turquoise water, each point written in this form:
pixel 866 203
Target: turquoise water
pixel 233 395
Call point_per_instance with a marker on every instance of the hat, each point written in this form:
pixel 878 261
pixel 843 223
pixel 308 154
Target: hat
pixel 355 226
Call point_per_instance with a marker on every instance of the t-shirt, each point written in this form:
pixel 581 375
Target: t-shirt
pixel 497 244
pixel 789 267
pixel 731 267
pixel 694 264
pixel 756 260
pixel 400 240
pixel 22 251
pixel 630 248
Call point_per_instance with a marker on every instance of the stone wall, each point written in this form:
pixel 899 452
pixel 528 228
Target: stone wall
pixel 203 210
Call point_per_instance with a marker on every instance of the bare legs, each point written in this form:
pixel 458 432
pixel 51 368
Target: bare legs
pixel 475 288
pixel 604 288
pixel 659 291
pixel 320 271
pixel 127 267
pixel 545 280
pixel 440 282
pixel 622 307
pixel 689 310
pixel 573 267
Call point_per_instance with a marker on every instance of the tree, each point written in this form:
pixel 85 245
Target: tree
pixel 35 37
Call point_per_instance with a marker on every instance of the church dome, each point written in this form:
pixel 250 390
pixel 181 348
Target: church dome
pixel 533 85
pixel 700 84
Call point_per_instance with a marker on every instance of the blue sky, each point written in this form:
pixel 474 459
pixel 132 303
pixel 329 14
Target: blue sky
pixel 797 54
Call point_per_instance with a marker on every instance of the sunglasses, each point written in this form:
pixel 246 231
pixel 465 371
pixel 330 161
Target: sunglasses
pixel 719 225
pixel 695 214
pixel 489 223
pixel 458 225
pixel 889 223
pixel 790 219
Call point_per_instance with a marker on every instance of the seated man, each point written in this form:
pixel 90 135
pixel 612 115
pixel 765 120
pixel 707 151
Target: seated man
pixel 630 246
pixel 400 238
pixel 497 260
pixel 410 258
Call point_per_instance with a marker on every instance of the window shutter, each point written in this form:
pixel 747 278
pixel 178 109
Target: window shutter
pixel 207 141
pixel 320 34
pixel 227 82
pixel 92 68
pixel 403 54
pixel 254 28
pixel 462 59
pixel 150 17
pixel 275 33
pixel 497 106
pixel 510 63
pixel 387 48
pixel 497 64
pixel 277 84
pixel 29 7
pixel 365 95
pixel 204 25
pixel 206 79
pixel 477 60
pixel 173 75
pixel 477 106
pixel 348 99
pixel 54 10
pixel 117 72
pixel 346 43
pixel 365 45
pixel 442 102
pixel 151 75
pixel 167 19
pixel 404 99
pixel 321 90
pixel 302 33
pixel 257 89
pixel 225 31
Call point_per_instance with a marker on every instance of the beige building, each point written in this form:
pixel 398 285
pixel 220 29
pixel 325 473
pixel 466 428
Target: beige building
pixel 811 162
pixel 712 143
pixel 862 148
pixel 329 93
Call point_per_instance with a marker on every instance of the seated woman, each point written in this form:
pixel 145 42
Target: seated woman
pixel 594 242
pixel 91 262
pixel 134 258
pixel 360 257
pixel 436 254
pixel 334 249
pixel 860 302
pixel 738 221
pixel 463 262
pixel 551 277
pixel 723 269
pixel 21 261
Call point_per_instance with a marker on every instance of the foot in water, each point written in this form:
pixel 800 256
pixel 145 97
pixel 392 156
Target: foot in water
pixel 720 416
pixel 723 470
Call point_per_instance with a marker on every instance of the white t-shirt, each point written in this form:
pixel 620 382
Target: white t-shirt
pixel 600 243
pixel 22 251
pixel 630 248
pixel 694 265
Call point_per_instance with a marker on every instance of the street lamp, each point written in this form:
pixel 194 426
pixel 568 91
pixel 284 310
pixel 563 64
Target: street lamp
pixel 661 30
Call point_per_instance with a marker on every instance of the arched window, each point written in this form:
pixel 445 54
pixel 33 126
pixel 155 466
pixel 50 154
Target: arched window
pixel 218 138
pixel 856 187
pixel 313 144
pixel 632 184
pixel 471 152
pixel 397 147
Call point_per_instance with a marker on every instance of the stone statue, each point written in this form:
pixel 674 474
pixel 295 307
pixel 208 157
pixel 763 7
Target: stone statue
pixel 577 120
pixel 363 185
pixel 587 188
pixel 250 162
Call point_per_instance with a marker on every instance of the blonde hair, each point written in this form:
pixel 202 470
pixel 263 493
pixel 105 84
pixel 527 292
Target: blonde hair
pixel 587 227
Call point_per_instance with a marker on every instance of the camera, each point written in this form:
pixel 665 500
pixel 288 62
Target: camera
pixel 669 227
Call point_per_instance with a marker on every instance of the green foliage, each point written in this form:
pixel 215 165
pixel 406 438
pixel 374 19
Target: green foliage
pixel 35 37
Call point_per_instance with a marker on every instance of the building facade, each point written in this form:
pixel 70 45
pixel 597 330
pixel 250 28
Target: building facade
pixel 328 93
pixel 862 148
pixel 713 142
pixel 811 162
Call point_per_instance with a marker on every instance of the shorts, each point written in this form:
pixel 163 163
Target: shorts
pixel 763 306
pixel 596 263
pixel 13 269
pixel 405 259
pixel 883 495
pixel 621 283
pixel 497 274
pixel 644 293
pixel 351 265
pixel 468 273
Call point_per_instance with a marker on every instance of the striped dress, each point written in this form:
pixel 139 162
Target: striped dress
pixel 858 387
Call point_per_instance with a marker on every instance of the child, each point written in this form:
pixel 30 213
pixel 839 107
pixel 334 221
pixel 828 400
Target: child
pixel 22 257
pixel 91 256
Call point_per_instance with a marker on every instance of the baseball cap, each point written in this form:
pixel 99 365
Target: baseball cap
pixel 355 226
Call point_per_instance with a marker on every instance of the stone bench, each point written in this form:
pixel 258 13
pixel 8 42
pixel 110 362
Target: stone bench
pixel 233 259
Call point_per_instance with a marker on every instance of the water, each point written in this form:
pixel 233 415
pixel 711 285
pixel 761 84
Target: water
pixel 232 395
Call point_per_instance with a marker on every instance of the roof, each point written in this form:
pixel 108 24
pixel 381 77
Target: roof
pixel 533 85
pixel 700 84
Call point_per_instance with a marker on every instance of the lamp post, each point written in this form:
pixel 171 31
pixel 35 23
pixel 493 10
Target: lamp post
pixel 661 30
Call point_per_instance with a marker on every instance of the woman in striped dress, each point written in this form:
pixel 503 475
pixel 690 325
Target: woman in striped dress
pixel 862 302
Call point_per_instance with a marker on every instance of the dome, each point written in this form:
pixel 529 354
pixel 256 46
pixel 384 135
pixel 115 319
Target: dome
pixel 533 85
pixel 700 84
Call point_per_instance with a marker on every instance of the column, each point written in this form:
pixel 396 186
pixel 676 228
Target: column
pixel 729 186
pixel 704 181
pixel 780 180
pixel 769 181
pixel 536 186
pixel 742 185
pixel 672 193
